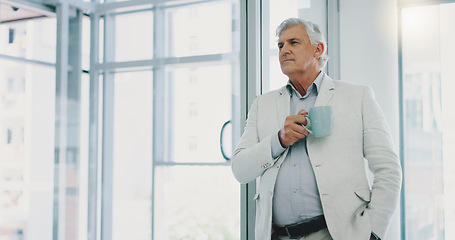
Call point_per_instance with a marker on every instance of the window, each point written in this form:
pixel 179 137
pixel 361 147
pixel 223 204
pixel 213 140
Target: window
pixel 427 141
pixel 168 89
pixel 196 196
pixel 27 116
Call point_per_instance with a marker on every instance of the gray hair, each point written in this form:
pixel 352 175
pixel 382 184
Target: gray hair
pixel 313 31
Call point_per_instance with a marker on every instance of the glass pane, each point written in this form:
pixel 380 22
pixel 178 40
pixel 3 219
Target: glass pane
pixel 134 34
pixel 27 110
pixel 428 129
pixel 82 207
pixel 196 203
pixel 199 29
pixel 279 10
pixel 85 43
pixel 33 39
pixel 132 164
pixel 198 106
pixel 196 196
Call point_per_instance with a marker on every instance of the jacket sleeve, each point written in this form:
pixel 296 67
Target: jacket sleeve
pixel 383 162
pixel 252 155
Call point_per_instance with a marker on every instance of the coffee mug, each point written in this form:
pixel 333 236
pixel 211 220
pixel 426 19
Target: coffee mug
pixel 321 121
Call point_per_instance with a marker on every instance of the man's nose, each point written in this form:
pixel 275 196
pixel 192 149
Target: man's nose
pixel 285 49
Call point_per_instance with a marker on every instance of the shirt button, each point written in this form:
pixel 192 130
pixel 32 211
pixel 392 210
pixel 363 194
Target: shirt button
pixel 295 190
pixel 295 164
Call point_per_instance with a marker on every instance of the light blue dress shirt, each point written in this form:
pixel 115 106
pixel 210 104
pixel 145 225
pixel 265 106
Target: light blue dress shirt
pixel 296 195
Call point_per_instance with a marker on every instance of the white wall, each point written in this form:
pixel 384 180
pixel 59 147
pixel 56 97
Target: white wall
pixel 369 55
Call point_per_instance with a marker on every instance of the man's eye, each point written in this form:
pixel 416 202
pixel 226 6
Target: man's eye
pixel 294 42
pixel 280 46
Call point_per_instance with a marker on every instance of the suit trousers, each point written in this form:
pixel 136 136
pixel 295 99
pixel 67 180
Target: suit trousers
pixel 322 234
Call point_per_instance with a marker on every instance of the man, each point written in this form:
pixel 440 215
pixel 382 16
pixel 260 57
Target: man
pixel 317 187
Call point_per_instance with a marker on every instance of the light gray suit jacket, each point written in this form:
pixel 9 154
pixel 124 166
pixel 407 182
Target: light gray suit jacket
pixel 352 206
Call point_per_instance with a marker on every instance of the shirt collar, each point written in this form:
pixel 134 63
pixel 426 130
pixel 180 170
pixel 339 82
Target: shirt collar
pixel 316 85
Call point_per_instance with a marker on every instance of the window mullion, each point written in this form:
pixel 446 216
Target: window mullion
pixel 108 131
pixel 159 115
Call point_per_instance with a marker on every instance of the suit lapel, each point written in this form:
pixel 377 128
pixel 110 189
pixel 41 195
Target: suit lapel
pixel 325 92
pixel 324 97
pixel 283 105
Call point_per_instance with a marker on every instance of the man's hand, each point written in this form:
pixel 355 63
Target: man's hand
pixel 293 130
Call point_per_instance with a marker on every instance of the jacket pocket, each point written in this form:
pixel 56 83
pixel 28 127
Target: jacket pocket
pixel 364 194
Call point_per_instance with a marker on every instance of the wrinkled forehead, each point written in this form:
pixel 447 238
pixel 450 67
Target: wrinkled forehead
pixel 296 31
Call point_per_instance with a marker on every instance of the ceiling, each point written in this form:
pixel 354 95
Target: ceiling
pixel 13 12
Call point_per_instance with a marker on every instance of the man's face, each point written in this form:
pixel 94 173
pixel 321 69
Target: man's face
pixel 296 54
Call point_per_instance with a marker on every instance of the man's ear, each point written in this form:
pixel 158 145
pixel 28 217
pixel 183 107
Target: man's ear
pixel 319 50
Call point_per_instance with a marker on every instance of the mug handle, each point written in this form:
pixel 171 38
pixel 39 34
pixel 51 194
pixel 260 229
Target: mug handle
pixel 307 121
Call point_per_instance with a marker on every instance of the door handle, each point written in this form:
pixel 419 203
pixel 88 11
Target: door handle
pixel 221 140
